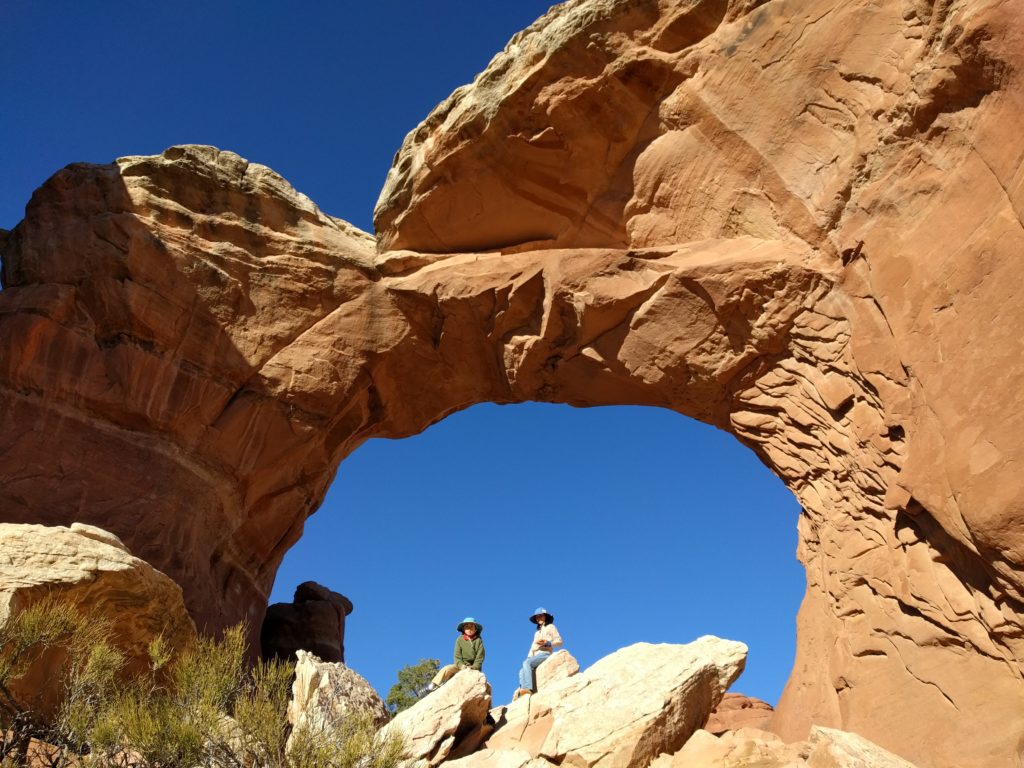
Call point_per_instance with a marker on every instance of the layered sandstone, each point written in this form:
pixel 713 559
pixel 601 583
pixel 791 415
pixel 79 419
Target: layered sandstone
pixel 796 221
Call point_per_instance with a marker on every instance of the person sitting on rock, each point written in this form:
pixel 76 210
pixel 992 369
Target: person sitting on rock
pixel 545 641
pixel 469 653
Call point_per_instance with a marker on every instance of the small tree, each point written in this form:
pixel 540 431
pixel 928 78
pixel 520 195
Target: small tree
pixel 411 680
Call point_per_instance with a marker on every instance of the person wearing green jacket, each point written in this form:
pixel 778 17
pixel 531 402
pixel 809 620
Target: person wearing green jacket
pixel 469 652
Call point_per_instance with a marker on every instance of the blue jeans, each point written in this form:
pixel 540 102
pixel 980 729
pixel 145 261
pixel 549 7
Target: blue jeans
pixel 528 674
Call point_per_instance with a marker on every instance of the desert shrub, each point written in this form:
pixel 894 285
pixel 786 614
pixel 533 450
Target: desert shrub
pixel 354 742
pixel 412 679
pixel 86 665
pixel 199 706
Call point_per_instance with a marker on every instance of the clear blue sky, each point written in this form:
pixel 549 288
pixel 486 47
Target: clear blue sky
pixel 628 524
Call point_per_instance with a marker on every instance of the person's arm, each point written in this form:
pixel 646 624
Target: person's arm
pixel 553 637
pixel 538 641
pixel 459 660
pixel 478 662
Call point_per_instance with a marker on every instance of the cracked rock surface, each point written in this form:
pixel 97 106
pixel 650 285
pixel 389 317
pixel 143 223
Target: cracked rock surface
pixel 799 222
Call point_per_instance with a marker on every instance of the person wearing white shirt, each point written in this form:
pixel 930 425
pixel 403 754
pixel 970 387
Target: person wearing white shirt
pixel 546 641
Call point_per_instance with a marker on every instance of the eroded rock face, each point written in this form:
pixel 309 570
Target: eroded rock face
pixel 797 221
pixel 141 301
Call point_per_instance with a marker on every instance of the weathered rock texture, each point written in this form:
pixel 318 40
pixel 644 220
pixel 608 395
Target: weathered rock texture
pixel 626 709
pixel 500 758
pixel 737 711
pixel 448 723
pixel 558 666
pixel 314 621
pixel 324 693
pixel 797 221
pixel 92 570
pixel 751 748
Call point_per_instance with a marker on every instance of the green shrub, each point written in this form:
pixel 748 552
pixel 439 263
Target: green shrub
pixel 53 632
pixel 412 679
pixel 200 706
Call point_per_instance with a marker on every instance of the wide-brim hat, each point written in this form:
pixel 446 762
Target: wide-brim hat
pixel 470 620
pixel 542 612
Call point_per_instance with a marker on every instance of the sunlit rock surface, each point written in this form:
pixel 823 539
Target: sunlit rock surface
pixel 438 726
pixel 558 666
pixel 799 222
pixel 751 748
pixel 737 711
pixel 626 709
pixel 91 570
pixel 325 693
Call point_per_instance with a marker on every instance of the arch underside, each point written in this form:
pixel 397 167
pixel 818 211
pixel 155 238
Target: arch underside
pixel 607 216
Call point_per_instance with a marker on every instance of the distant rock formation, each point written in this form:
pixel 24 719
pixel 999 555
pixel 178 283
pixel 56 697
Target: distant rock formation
pixel 90 569
pixel 798 222
pixel 314 621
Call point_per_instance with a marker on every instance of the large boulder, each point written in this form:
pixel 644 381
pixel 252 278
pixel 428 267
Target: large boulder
pixel 626 709
pixel 451 721
pixel 314 621
pixel 558 666
pixel 324 693
pixel 92 570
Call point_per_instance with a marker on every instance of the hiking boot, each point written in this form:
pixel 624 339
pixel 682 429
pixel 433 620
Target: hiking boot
pixel 521 692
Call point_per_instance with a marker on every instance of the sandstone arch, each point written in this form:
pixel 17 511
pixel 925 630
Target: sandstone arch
pixel 795 221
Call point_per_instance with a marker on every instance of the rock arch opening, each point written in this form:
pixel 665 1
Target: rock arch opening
pixel 636 523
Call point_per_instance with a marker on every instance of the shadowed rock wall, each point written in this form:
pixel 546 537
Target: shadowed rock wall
pixel 796 221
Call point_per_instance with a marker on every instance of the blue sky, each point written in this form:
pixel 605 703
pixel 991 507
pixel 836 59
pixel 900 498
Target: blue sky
pixel 629 524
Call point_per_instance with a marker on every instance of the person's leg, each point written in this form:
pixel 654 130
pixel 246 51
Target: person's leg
pixel 443 676
pixel 525 675
pixel 528 675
